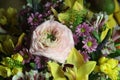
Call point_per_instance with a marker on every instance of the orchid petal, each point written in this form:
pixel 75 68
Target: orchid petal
pixel 85 70
pixel 77 6
pixel 69 3
pixel 56 71
pixel 75 58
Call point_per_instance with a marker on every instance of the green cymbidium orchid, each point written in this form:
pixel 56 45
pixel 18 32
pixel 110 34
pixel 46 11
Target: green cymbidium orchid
pixel 75 4
pixel 6 44
pixel 79 71
pixel 73 15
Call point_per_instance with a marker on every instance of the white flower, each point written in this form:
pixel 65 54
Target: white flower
pixel 53 40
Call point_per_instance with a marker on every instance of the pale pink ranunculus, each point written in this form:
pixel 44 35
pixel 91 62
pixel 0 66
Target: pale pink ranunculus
pixel 52 40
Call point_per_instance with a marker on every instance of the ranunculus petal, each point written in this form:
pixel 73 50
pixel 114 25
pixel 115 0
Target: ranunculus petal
pixel 59 49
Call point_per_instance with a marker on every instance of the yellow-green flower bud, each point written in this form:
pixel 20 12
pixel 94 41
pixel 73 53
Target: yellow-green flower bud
pixel 113 74
pixel 5 71
pixel 17 57
pixel 11 12
pixel 2 11
pixel 6 61
pixel 3 20
pixel 113 62
pixel 16 70
pixel 102 60
pixel 105 68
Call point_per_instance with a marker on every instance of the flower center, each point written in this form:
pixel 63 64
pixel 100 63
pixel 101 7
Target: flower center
pixel 48 38
pixel 35 19
pixel 82 30
pixel 26 56
pixel 89 43
pixel 51 37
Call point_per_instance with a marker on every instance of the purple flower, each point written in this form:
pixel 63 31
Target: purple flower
pixel 40 61
pixel 83 29
pixel 35 19
pixel 76 39
pixel 90 44
pixel 26 55
pixel 30 75
pixel 85 55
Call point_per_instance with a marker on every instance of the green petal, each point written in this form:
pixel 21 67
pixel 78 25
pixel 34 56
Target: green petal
pixel 56 71
pixel 75 58
pixel 69 3
pixel 77 6
pixel 54 11
pixel 5 71
pixel 85 70
pixel 8 45
pixel 20 39
pixel 64 17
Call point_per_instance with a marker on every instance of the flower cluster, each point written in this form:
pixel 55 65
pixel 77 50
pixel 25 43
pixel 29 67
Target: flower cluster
pixel 58 40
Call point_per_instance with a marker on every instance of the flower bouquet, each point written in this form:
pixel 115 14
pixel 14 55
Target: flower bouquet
pixel 59 40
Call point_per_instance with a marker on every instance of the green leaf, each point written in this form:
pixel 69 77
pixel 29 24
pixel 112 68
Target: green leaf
pixel 78 20
pixel 29 1
pixel 75 58
pixel 117 44
pixel 1 78
pixel 54 1
pixel 96 35
pixel 116 54
pixel 32 65
pixel 35 1
pixel 56 71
